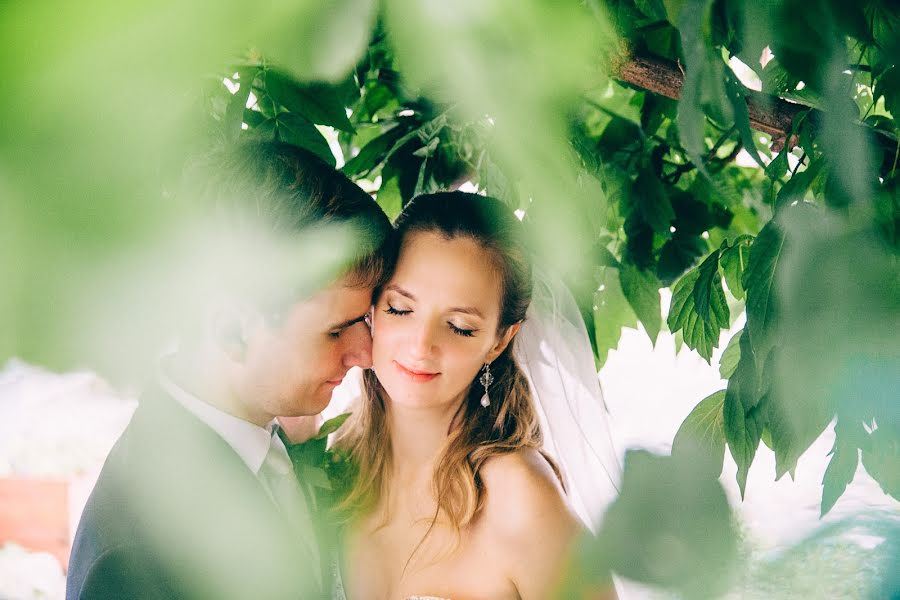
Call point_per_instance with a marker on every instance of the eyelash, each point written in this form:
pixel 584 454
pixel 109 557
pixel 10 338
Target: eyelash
pixel 462 332
pixel 334 334
pixel 457 330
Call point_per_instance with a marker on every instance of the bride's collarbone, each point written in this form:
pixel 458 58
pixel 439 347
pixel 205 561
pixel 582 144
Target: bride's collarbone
pixel 444 565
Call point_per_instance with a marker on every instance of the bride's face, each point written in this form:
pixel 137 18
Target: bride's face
pixel 435 324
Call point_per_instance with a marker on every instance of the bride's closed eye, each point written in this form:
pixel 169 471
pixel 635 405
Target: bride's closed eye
pixel 393 311
pixel 461 331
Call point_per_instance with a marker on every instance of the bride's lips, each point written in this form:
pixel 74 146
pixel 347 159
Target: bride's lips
pixel 335 382
pixel 417 376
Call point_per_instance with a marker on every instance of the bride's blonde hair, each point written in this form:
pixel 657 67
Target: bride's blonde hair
pixel 476 433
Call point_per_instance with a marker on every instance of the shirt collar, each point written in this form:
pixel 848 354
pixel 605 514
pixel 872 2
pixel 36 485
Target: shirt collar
pixel 250 441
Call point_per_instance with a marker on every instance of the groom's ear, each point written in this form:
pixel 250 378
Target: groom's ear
pixel 231 327
pixel 503 340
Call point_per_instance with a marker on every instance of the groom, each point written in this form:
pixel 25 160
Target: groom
pixel 198 499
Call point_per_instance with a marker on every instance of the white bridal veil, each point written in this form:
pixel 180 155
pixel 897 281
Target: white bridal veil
pixel 553 350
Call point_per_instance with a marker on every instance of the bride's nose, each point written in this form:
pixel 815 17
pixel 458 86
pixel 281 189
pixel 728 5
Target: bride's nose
pixel 422 341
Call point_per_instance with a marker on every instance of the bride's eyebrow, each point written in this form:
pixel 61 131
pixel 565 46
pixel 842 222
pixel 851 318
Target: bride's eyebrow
pixel 468 310
pixel 396 288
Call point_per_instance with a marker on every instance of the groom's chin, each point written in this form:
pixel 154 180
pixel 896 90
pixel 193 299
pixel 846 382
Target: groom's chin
pixel 320 400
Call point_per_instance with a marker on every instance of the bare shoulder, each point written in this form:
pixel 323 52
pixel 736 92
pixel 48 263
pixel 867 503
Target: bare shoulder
pixel 526 467
pixel 528 521
pixel 524 494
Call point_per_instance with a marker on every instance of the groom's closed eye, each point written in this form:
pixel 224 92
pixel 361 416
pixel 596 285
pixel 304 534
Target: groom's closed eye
pixel 336 331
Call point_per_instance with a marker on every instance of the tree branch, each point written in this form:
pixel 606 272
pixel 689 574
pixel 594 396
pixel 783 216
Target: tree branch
pixel 768 114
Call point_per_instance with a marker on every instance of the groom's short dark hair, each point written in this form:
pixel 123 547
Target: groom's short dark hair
pixel 289 191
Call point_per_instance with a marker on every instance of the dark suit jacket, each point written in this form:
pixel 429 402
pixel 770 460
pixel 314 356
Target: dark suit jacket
pixel 176 514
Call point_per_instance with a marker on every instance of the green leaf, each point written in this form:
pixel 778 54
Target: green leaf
pixel 332 425
pixel 766 438
pixel 583 287
pixel 266 105
pixel 731 356
pixel 759 281
pixel 802 37
pixel 316 102
pixel 612 313
pixel 492 179
pixel 734 262
pixel 679 254
pixel 709 298
pixel 668 502
pixel 655 9
pixel 673 10
pixel 313 476
pixel 296 130
pixel 700 208
pixel 422 180
pixel 267 129
pixel 652 202
pixel 794 422
pixel 704 430
pixel 373 154
pixel 638 241
pixel 641 288
pixel 403 141
pixel 888 85
pixel 319 41
pixel 703 88
pixel 737 94
pixel 619 135
pixel 604 258
pixel 376 98
pixel 309 453
pixel 796 187
pixel 253 118
pixel 234 112
pixel 744 414
pixel 428 150
pixel 778 167
pixel 881 458
pixel 432 129
pixel 841 469
pixel 840 293
pixel 701 330
pixel 389 198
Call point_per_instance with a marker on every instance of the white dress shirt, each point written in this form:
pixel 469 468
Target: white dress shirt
pixel 250 441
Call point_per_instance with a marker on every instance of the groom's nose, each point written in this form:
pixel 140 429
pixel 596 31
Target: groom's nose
pixel 358 351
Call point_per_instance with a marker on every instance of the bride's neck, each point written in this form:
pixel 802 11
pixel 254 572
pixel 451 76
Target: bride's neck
pixel 418 435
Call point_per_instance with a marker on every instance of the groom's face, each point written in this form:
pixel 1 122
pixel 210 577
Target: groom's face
pixel 293 368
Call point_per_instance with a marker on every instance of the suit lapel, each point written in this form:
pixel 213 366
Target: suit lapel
pixel 191 482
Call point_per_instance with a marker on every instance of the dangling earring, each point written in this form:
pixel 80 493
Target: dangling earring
pixel 486 380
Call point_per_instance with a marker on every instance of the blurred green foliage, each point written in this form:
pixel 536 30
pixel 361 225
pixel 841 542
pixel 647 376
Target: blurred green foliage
pixel 626 190
pixel 845 559
pixel 682 519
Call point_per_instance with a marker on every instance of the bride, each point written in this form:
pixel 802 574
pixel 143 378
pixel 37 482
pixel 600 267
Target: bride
pixel 456 496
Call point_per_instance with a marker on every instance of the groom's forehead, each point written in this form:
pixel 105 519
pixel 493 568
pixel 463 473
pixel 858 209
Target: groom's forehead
pixel 336 306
